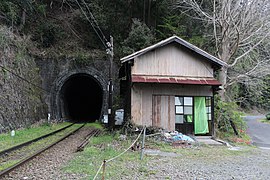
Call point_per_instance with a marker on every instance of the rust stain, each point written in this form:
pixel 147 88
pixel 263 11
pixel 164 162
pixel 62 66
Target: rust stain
pixel 156 111
pixel 169 113
pixel 153 111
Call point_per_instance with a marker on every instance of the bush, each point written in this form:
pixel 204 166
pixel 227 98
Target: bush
pixel 226 111
pixel 267 116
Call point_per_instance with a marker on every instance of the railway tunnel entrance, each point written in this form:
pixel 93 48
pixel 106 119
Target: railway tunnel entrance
pixel 82 98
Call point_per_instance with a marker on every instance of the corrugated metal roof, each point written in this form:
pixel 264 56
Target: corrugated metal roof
pixel 175 80
pixel 180 41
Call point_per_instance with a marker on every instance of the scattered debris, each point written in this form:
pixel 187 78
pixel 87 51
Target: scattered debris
pixel 122 137
pixel 136 147
pixel 180 144
pixel 241 140
pixel 235 148
pixel 177 139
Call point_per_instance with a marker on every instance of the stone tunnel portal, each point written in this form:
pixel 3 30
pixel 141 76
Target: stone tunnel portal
pixel 82 98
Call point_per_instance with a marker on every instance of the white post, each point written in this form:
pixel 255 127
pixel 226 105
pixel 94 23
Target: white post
pixel 49 117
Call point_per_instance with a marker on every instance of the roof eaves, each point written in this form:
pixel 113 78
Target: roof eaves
pixel 140 52
pixel 179 41
pixel 201 52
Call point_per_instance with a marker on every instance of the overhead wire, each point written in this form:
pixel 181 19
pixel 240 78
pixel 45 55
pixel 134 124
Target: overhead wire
pixel 94 25
pixel 24 79
pixel 95 21
pixel 91 23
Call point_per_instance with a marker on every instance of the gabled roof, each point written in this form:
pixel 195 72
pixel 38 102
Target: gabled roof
pixel 180 41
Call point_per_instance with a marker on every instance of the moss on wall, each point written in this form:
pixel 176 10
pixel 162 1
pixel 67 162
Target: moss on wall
pixel 20 92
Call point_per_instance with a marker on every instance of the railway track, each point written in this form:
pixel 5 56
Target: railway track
pixel 6 151
pixel 14 157
pixel 92 133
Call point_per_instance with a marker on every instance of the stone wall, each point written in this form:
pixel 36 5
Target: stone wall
pixel 29 91
pixel 55 72
pixel 21 93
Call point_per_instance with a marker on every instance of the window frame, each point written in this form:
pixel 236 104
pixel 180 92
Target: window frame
pixel 185 121
pixel 208 106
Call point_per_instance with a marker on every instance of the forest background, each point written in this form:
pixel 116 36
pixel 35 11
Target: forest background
pixel 235 31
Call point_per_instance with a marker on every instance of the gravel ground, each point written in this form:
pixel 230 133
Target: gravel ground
pixel 253 164
pixel 204 163
pixel 48 164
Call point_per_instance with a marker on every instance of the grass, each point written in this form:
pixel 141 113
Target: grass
pixel 265 121
pixel 95 125
pixel 24 135
pixel 104 147
pixel 199 152
pixel 8 164
pixel 32 148
pixel 242 139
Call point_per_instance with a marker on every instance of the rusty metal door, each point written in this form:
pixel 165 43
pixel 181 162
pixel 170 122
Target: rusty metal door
pixel 163 112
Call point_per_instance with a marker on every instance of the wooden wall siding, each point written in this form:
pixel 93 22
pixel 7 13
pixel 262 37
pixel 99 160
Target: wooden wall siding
pixel 142 101
pixel 163 112
pixel 174 89
pixel 146 107
pixel 136 106
pixel 156 111
pixel 172 61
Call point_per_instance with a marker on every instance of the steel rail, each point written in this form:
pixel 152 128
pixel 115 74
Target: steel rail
pixel 26 159
pixel 33 140
pixel 94 132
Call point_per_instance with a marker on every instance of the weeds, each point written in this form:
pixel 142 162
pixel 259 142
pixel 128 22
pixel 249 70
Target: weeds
pixel 224 113
pixel 265 121
pixel 8 164
pixel 107 146
pixel 95 125
pixel 103 148
pixel 6 141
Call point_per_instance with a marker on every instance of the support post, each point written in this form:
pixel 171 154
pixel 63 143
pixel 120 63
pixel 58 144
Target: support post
pixel 103 173
pixel 143 140
pixel 110 99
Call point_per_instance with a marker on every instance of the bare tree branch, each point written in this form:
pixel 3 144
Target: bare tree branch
pixel 241 32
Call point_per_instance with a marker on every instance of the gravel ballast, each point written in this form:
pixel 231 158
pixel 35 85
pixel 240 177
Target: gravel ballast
pixel 48 164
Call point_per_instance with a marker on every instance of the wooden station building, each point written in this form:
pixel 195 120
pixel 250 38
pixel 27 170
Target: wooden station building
pixel 171 85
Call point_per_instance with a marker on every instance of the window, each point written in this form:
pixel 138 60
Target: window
pixel 208 108
pixel 183 110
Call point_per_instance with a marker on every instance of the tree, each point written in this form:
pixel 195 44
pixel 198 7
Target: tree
pixel 140 36
pixel 14 11
pixel 240 30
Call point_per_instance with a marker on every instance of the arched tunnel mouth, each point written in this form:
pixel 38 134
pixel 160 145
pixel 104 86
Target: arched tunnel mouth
pixel 82 98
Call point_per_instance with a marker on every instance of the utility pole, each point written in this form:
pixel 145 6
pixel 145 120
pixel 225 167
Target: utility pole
pixel 109 49
pixel 110 84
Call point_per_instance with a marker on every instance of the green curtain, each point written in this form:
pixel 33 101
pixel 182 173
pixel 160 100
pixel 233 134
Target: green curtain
pixel 200 116
pixel 189 118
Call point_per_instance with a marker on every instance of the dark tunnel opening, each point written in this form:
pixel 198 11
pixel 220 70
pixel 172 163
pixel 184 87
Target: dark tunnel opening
pixel 82 96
